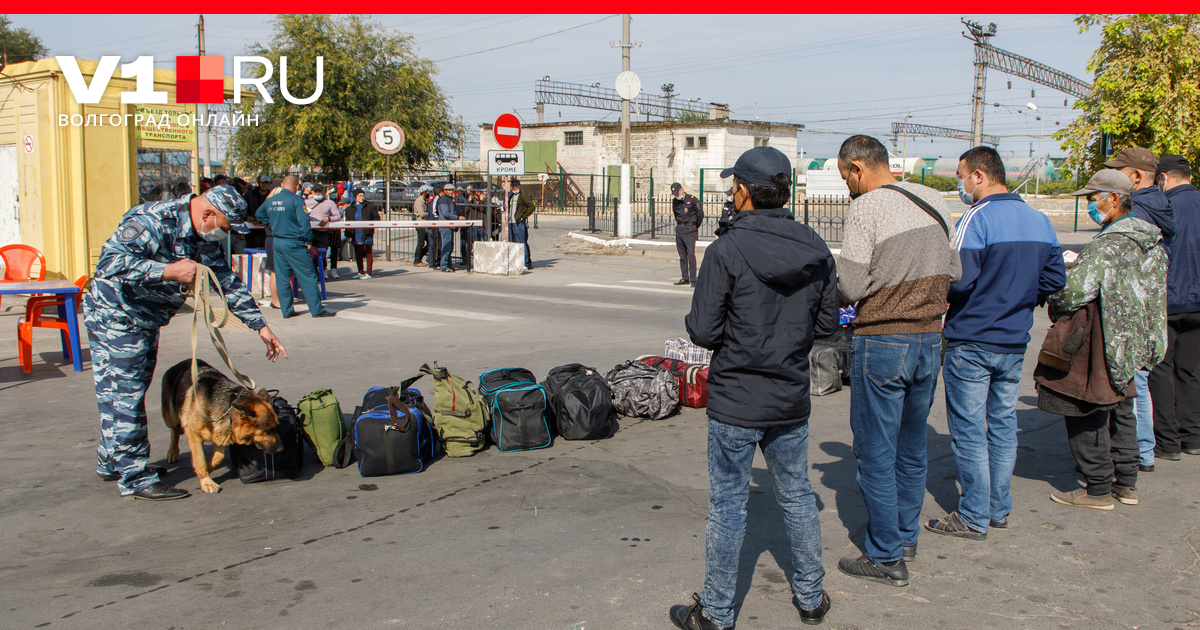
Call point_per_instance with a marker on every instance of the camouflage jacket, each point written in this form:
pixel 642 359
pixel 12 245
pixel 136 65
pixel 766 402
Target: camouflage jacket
pixel 1125 267
pixel 128 290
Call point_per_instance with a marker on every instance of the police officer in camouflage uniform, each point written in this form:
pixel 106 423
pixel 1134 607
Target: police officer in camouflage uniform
pixel 688 217
pixel 140 282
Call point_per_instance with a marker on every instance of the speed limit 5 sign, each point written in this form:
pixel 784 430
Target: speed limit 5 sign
pixel 387 137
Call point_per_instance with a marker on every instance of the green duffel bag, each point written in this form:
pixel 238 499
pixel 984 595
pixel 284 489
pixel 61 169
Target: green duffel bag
pixel 460 416
pixel 321 419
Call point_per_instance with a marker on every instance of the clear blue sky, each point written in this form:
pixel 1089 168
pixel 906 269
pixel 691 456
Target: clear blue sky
pixel 836 74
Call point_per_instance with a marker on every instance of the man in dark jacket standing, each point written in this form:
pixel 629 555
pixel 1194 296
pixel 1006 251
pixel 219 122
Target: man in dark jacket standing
pixel 766 287
pixel 1149 203
pixel 1175 383
pixel 688 217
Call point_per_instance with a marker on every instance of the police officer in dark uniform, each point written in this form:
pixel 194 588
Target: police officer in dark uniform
pixel 140 282
pixel 727 212
pixel 688 217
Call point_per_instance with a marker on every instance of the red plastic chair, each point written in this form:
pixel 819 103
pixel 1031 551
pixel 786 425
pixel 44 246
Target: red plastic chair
pixel 34 318
pixel 18 263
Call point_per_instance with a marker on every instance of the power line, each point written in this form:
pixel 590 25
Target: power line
pixel 527 41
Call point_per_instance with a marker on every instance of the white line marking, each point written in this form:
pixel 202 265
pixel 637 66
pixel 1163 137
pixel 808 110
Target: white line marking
pixel 657 283
pixel 557 301
pixel 390 321
pixel 428 310
pixel 508 131
pixel 625 288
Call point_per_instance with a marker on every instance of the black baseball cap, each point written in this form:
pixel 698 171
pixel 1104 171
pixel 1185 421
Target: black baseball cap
pixel 676 186
pixel 1171 162
pixel 514 181
pixel 759 166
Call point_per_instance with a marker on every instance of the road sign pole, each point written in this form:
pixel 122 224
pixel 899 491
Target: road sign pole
pixel 487 227
pixel 387 196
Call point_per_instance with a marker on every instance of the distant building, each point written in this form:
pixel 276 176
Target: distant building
pixel 674 150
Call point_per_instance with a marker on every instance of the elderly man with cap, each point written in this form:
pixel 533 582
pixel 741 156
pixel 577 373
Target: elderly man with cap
pixel 1123 270
pixel 688 217
pixel 520 208
pixel 1175 383
pixel 140 282
pixel 1149 203
pixel 765 289
pixel 287 217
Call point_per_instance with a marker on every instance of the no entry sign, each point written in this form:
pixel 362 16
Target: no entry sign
pixel 507 131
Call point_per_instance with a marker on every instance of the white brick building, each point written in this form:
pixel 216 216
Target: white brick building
pixel 675 150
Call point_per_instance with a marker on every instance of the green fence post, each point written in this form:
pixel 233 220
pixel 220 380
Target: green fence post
pixel 653 229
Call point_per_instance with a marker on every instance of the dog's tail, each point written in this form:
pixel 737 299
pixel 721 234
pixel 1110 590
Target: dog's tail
pixel 175 384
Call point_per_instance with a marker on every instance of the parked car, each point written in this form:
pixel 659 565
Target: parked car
pixel 377 193
pixel 409 194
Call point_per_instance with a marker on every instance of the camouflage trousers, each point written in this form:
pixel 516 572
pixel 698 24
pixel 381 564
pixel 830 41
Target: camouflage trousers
pixel 123 361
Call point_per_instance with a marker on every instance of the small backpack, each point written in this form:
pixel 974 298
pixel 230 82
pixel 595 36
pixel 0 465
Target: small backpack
pixel 460 415
pixel 517 405
pixel 643 391
pixel 321 416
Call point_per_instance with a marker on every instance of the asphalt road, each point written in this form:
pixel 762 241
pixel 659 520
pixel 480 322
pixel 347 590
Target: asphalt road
pixel 604 534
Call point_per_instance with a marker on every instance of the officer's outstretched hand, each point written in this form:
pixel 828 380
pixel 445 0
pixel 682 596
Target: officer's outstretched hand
pixel 182 271
pixel 274 347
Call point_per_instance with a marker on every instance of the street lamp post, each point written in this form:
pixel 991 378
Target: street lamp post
pixel 1041 132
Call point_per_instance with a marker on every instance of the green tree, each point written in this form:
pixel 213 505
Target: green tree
pixel 1147 89
pixel 370 75
pixel 20 44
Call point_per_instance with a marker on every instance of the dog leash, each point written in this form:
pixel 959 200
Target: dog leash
pixel 206 279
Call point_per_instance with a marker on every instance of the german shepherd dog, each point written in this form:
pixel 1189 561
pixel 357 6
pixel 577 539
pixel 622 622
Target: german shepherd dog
pixel 221 412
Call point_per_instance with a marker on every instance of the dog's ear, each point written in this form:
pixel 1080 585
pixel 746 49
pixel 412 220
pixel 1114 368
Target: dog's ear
pixel 264 394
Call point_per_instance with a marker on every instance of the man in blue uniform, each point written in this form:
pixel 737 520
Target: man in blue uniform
pixel 139 284
pixel 287 216
pixel 688 217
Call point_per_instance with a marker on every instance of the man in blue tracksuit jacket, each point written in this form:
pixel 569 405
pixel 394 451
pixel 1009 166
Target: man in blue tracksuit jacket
pixel 1175 383
pixel 1011 259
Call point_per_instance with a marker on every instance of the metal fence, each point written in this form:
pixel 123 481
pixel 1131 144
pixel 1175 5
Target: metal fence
pixel 653 217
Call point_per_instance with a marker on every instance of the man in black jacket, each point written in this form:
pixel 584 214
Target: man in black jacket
pixel 1175 383
pixel 688 217
pixel 765 288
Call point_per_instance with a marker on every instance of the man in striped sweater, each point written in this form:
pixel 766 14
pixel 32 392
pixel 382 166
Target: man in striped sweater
pixel 897 264
pixel 1011 260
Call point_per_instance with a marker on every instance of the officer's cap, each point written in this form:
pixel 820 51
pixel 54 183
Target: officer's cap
pixel 759 166
pixel 1106 181
pixel 676 187
pixel 226 199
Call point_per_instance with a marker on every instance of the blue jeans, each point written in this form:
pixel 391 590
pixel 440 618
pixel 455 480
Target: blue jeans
pixel 730 455
pixel 519 233
pixel 447 245
pixel 982 388
pixel 1143 409
pixel 892 382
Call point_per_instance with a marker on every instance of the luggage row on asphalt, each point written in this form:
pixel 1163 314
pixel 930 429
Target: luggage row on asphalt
pixel 394 430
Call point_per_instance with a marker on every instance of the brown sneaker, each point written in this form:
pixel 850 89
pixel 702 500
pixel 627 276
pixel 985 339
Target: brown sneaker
pixel 1080 498
pixel 1125 495
pixel 420 264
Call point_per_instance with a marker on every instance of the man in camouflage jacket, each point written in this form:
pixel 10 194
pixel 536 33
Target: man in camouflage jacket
pixel 1125 268
pixel 140 282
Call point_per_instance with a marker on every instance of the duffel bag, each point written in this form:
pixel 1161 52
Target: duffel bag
pixel 692 378
pixel 517 406
pixel 581 406
pixel 253 465
pixel 643 391
pixel 321 417
pixel 460 415
pixel 391 433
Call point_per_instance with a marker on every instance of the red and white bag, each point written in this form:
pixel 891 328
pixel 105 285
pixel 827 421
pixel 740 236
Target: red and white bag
pixel 692 378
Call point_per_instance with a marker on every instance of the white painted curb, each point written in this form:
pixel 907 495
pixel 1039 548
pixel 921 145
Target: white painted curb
pixel 627 242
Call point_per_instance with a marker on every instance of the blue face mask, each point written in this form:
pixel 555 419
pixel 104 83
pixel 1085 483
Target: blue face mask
pixel 1094 212
pixel 963 195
